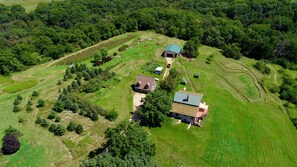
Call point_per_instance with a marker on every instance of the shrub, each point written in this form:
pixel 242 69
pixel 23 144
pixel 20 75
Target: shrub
pixel 52 128
pixel 16 109
pixel 40 103
pixel 12 131
pixel 16 102
pixel 29 109
pixel 71 126
pixel 58 119
pixel 19 97
pixel 35 93
pixel 10 144
pixel 29 103
pixel 59 106
pixel 51 115
pixel 112 115
pixel 22 120
pixel 79 129
pixel 123 47
pixel 60 130
pixel 38 120
pixel 44 123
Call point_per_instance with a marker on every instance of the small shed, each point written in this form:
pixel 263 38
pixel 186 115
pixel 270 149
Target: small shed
pixel 159 70
pixel 197 75
pixel 172 51
pixel 184 81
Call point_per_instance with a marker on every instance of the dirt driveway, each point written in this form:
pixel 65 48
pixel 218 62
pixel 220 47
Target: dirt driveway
pixel 169 61
pixel 137 100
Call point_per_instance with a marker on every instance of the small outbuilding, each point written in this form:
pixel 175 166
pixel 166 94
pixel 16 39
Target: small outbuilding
pixel 172 51
pixel 184 81
pixel 144 84
pixel 159 70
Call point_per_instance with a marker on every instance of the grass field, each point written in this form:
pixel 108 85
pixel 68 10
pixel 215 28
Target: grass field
pixel 245 125
pixel 29 5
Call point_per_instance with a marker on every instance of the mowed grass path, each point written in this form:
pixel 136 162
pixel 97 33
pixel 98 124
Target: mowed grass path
pixel 235 133
pixel 40 147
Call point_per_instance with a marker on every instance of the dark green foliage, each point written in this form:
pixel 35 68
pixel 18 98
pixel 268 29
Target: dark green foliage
pixel 19 97
pixel 232 51
pixel 150 67
pixel 29 103
pixel 51 115
pixel 191 47
pixel 92 86
pixel 123 47
pixel 131 160
pixel 128 138
pixel 209 59
pixel 16 109
pixel 79 129
pixel 59 106
pixel 71 126
pixel 16 102
pixel 60 130
pixel 10 144
pixel 12 131
pixel 29 109
pixel 38 120
pixel 170 82
pixel 262 66
pixel 35 94
pixel 155 108
pixel 58 119
pixel 59 82
pixel 288 90
pixel 52 128
pixel 112 115
pixel 40 103
pixel 44 123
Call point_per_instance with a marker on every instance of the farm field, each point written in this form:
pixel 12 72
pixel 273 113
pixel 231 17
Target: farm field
pixel 245 126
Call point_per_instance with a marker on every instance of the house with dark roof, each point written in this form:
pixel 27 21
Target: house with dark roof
pixel 188 107
pixel 144 84
pixel 172 51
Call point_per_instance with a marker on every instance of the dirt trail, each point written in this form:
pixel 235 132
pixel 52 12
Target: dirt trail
pixel 169 61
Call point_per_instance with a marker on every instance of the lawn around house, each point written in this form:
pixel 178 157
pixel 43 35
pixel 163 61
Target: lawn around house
pixel 245 125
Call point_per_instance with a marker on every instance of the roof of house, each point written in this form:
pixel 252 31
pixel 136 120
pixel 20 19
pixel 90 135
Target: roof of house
pixel 188 98
pixel 184 109
pixel 159 69
pixel 144 80
pixel 173 48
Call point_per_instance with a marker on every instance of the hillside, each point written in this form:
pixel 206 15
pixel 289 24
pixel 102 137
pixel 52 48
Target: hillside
pixel 246 124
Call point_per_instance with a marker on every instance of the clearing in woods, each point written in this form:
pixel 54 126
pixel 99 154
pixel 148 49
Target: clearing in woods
pixel 245 125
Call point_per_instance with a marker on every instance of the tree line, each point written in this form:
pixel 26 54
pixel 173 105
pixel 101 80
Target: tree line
pixel 257 29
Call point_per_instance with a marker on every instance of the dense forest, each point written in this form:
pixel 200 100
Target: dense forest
pixel 256 29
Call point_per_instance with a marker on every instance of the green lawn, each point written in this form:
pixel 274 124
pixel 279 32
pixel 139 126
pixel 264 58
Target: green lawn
pixel 245 125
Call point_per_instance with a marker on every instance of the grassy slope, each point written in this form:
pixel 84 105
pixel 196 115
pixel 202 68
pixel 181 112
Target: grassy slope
pixel 29 5
pixel 44 148
pixel 236 132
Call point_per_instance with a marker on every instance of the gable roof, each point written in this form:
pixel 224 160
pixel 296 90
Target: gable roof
pixel 188 98
pixel 144 80
pixel 173 48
